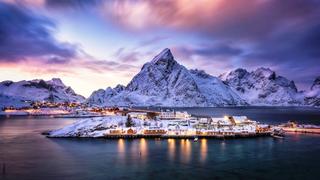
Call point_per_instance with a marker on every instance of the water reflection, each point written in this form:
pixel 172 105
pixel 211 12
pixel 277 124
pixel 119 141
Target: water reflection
pixel 171 148
pixel 121 148
pixel 143 149
pixel 185 150
pixel 203 150
pixel 223 145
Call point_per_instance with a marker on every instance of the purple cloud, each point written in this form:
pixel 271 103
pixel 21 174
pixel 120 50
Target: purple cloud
pixel 24 34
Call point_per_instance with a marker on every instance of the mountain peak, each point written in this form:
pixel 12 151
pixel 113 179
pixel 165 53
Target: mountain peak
pixel 56 81
pixel 316 83
pixel 164 56
pixel 265 72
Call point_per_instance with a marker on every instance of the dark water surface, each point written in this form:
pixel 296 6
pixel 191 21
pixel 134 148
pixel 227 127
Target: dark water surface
pixel 29 155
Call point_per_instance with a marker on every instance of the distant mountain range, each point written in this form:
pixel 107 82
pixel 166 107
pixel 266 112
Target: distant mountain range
pixel 19 93
pixel 165 82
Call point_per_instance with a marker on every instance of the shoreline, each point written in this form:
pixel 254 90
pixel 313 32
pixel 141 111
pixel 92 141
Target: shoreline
pixel 302 130
pixel 149 136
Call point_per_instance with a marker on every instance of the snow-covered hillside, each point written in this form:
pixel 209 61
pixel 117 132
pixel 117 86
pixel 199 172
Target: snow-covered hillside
pixel 312 97
pixel 164 82
pixel 263 87
pixel 90 127
pixel 37 90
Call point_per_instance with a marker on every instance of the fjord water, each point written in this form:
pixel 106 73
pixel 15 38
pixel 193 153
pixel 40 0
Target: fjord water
pixel 29 155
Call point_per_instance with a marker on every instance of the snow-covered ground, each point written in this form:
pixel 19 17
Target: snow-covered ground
pixel 92 127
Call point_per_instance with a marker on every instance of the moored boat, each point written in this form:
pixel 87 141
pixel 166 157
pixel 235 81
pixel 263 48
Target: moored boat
pixel 278 133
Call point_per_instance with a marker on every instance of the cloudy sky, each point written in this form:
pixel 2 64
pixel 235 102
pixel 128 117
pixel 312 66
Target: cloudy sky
pixel 95 44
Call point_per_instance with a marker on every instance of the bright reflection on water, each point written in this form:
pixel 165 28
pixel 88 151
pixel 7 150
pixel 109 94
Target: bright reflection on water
pixel 203 150
pixel 143 147
pixel 171 148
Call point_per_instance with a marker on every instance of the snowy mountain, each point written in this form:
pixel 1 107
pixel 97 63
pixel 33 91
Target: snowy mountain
pixel 37 90
pixel 263 87
pixel 164 82
pixel 312 97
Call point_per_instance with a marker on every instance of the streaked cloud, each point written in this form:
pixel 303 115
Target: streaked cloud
pixel 25 35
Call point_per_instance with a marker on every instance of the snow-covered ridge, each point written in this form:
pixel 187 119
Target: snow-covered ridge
pixel 263 87
pixel 164 82
pixel 53 90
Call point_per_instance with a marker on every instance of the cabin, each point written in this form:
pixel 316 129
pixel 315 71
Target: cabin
pixel 131 131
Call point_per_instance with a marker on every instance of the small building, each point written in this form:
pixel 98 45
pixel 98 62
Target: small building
pixel 182 115
pixel 154 131
pixel 138 115
pixel 116 131
pixel 167 115
pixel 131 131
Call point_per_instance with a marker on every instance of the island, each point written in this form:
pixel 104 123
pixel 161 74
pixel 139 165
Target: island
pixel 163 124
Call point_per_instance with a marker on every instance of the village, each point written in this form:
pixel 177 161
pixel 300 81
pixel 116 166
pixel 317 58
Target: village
pixel 177 124
pixel 136 123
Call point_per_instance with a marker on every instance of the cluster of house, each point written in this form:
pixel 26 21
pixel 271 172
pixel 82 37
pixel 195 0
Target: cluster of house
pixel 182 123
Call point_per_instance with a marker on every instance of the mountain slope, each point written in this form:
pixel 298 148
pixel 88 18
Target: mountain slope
pixel 312 97
pixel 263 87
pixel 39 90
pixel 164 82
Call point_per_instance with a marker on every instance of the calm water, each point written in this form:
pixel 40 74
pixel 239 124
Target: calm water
pixel 29 155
